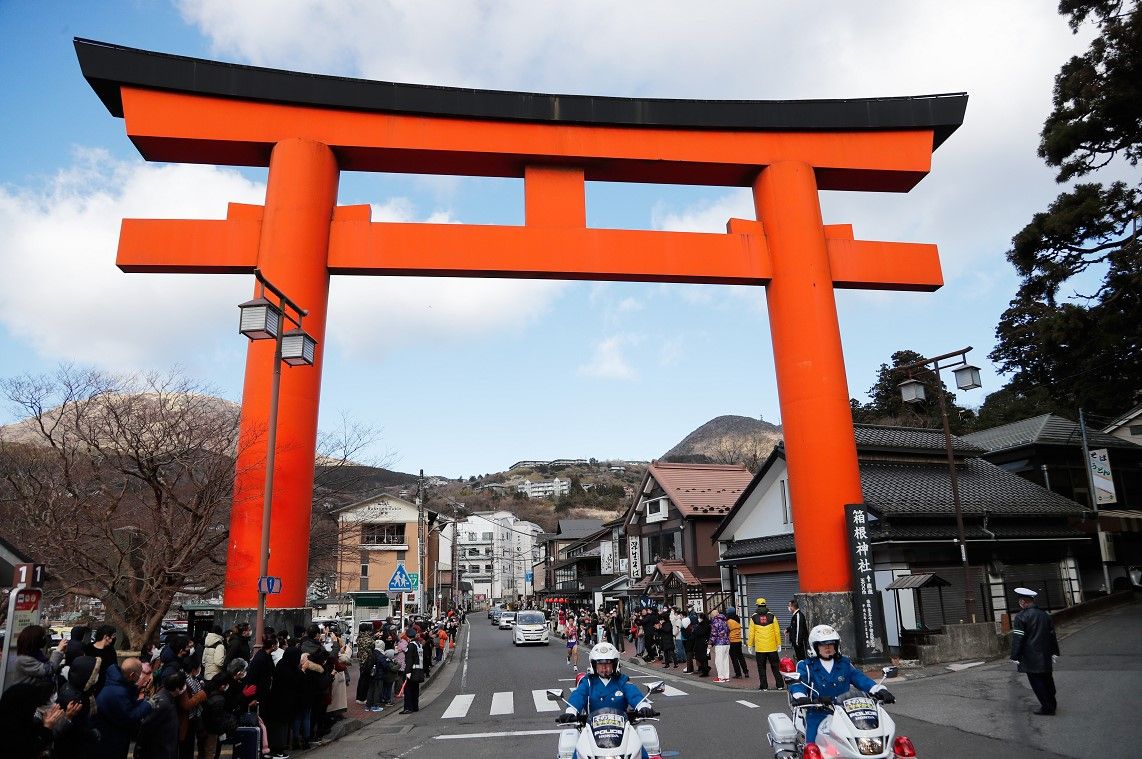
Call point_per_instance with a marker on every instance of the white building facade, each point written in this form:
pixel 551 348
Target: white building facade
pixel 495 551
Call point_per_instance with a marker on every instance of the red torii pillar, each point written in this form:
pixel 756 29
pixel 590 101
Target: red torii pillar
pixel 308 128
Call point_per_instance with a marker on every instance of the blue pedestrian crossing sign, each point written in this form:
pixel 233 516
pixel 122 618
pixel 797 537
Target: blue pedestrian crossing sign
pixel 400 582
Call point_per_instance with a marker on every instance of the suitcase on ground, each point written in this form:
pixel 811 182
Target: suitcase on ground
pixel 248 742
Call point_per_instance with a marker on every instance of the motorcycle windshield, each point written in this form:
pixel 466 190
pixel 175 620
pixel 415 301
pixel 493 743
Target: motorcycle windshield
pixel 861 710
pixel 608 726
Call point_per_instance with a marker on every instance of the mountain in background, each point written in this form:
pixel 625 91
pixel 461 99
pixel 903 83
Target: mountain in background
pixel 727 440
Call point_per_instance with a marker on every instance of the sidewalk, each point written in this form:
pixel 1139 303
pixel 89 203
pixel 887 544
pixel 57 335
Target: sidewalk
pixel 356 717
pixel 907 671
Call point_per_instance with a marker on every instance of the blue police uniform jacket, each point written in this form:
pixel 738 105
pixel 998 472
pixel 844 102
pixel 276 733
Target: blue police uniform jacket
pixel 619 693
pixel 832 684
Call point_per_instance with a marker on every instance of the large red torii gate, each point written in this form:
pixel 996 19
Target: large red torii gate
pixel 308 128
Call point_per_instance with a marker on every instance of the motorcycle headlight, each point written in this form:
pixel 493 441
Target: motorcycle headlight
pixel 870 746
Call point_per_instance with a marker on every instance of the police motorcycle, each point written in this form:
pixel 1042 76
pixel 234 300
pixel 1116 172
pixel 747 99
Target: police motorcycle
pixel 856 726
pixel 608 731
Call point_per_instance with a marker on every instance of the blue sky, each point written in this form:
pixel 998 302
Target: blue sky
pixel 465 377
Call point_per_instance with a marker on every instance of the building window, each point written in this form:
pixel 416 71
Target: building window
pixel 364 570
pixel 488 568
pixel 382 534
pixel 1136 429
pixel 666 545
pixel 785 517
pixel 487 537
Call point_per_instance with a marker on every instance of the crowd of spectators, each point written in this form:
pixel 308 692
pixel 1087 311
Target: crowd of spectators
pixel 188 700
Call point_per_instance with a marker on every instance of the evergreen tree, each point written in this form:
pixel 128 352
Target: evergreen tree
pixel 1080 342
pixel 886 406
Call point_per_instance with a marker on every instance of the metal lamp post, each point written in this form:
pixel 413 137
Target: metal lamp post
pixel 263 320
pixel 912 391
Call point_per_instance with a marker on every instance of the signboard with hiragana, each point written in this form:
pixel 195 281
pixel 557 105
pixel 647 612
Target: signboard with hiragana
pixel 867 616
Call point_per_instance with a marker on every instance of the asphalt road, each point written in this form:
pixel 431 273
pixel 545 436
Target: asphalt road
pixel 488 703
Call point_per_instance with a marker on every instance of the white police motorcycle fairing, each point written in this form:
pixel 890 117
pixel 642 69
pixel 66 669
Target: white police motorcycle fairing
pixel 856 727
pixel 609 732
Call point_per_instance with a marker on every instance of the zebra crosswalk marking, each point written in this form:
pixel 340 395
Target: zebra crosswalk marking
pixel 503 702
pixel 750 704
pixel 541 702
pixel 459 707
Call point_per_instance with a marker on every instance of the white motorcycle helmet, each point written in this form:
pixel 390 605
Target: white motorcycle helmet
pixel 824 634
pixel 605 652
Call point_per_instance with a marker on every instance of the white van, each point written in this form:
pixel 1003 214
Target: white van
pixel 530 627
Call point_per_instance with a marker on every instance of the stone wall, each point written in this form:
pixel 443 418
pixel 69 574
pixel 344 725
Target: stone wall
pixel 960 642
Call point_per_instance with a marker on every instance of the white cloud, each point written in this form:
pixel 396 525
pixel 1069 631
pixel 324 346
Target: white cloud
pixel 608 360
pixel 987 179
pixel 62 293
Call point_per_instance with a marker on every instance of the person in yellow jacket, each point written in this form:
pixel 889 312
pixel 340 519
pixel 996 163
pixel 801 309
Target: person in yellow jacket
pixel 764 637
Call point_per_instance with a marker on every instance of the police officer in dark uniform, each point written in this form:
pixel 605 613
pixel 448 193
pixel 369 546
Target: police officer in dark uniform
pixel 1034 648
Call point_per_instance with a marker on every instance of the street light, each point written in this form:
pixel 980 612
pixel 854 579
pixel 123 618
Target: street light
pixel 912 391
pixel 261 319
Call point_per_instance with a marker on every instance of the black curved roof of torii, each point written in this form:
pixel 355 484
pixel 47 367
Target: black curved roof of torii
pixel 107 67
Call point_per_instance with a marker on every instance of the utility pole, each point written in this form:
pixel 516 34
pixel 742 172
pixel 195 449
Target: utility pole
pixel 422 539
pixel 1094 504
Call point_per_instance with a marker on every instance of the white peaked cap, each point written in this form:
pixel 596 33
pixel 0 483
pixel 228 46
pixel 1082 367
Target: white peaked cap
pixel 1025 592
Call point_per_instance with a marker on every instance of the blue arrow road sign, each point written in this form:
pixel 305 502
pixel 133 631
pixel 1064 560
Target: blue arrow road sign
pixel 400 581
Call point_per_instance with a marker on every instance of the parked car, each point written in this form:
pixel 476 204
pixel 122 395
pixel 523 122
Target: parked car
pixel 530 627
pixel 506 620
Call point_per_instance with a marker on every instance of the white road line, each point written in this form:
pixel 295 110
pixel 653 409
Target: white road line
pixel 497 735
pixel 541 702
pixel 503 702
pixel 750 704
pixel 459 707
pixel 467 648
pixel 672 691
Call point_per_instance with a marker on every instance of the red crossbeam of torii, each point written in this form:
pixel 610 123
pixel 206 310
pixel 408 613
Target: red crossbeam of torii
pixel 307 129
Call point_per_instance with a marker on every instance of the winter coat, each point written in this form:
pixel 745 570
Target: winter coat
pixel 700 634
pixel 734 625
pixel 285 692
pixel 72 740
pixel 616 693
pixel 340 696
pixel 764 632
pixel 213 656
pixel 190 706
pixel 798 631
pixel 76 643
pixel 25 737
pixel 158 734
pixel 31 670
pixel 719 631
pixel 389 669
pixel 824 683
pixel 365 647
pixel 260 674
pixel 217 718
pixel 108 659
pixel 1033 640
pixel 238 648
pixel 118 714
